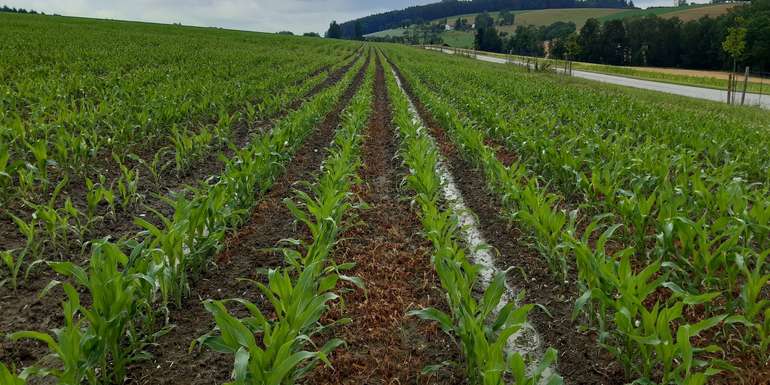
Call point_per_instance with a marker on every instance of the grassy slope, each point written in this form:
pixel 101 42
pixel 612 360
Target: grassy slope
pixel 575 15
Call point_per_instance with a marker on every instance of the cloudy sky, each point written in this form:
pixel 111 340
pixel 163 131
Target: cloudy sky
pixel 256 15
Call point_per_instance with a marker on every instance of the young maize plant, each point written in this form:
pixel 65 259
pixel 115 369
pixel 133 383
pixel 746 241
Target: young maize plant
pixel 32 247
pixel 115 317
pixel 756 309
pixel 482 326
pixel 115 329
pixel 39 149
pixel 6 170
pixel 299 293
pixel 74 346
pixel 98 192
pixel 154 167
pixel 9 377
pixel 127 185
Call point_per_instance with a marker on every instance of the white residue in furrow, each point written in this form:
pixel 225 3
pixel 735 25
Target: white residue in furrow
pixel 527 341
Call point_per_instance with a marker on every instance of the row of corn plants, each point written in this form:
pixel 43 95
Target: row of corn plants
pixel 651 341
pixel 132 284
pixel 73 92
pixel 50 226
pixel 483 331
pixel 271 346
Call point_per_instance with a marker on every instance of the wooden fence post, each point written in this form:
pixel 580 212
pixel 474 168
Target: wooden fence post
pixel 745 85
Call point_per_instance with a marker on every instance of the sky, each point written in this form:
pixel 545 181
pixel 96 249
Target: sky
pixel 298 16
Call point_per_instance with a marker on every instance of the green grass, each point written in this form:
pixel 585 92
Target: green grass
pixel 458 39
pixel 699 81
pixel 664 77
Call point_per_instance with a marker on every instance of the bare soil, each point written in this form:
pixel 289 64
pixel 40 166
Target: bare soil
pixel 384 345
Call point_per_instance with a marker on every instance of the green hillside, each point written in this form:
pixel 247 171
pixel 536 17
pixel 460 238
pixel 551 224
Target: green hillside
pixel 544 17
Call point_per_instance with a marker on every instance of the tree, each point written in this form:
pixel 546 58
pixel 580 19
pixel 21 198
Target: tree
pixel 487 39
pixel 526 41
pixel 335 31
pixel 506 18
pixel 590 41
pixel 311 34
pixel 358 33
pixel 614 42
pixel 735 42
pixel 558 29
pixel 483 20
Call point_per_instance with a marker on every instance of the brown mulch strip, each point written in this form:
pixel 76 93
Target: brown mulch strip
pixel 384 346
pixel 581 360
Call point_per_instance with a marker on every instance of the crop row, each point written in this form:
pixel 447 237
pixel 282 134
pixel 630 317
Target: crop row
pixel 94 93
pixel 481 325
pixel 269 347
pixel 131 284
pixel 62 220
pixel 692 242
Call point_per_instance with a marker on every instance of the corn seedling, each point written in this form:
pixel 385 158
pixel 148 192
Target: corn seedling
pixel 73 346
pixel 9 377
pixel 127 185
pixel 155 167
pixel 115 314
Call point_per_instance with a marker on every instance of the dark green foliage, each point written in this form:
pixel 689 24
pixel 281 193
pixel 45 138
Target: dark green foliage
pixel 526 41
pixel 506 18
pixel 487 39
pixel 669 42
pixel 483 20
pixel 335 31
pixel 438 10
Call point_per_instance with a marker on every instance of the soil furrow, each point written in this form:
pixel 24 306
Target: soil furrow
pixel 23 310
pixel 384 345
pixel 581 360
pixel 246 252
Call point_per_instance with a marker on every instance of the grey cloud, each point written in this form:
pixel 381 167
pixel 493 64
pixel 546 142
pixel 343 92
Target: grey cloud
pixel 256 15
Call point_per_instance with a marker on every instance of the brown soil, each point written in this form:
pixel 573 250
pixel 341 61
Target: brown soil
pixel 23 310
pixel 384 346
pixel 269 223
pixel 581 360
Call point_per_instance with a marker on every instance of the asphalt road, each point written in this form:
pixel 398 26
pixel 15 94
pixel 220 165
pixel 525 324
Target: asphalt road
pixel 762 101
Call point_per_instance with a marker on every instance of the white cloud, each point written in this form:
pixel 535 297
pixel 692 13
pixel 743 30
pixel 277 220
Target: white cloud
pixel 257 15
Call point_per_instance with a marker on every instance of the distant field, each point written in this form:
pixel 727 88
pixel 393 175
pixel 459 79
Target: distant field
pixel 576 15
pixel 388 32
pixel 698 12
pixel 458 39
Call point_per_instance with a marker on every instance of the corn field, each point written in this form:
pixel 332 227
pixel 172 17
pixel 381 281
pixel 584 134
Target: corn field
pixel 200 206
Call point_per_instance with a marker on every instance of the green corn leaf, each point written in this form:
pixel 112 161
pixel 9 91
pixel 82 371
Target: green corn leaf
pixel 432 314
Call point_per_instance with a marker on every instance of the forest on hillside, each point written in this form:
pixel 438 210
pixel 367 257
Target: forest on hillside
pixel 418 14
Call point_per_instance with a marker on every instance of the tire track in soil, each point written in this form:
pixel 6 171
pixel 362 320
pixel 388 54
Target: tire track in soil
pixel 269 223
pixel 581 360
pixel 23 310
pixel 384 346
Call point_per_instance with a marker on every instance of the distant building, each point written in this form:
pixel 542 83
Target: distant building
pixel 448 27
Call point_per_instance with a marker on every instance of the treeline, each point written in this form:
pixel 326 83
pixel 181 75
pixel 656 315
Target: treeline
pixel 446 8
pixel 8 9
pixel 647 40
